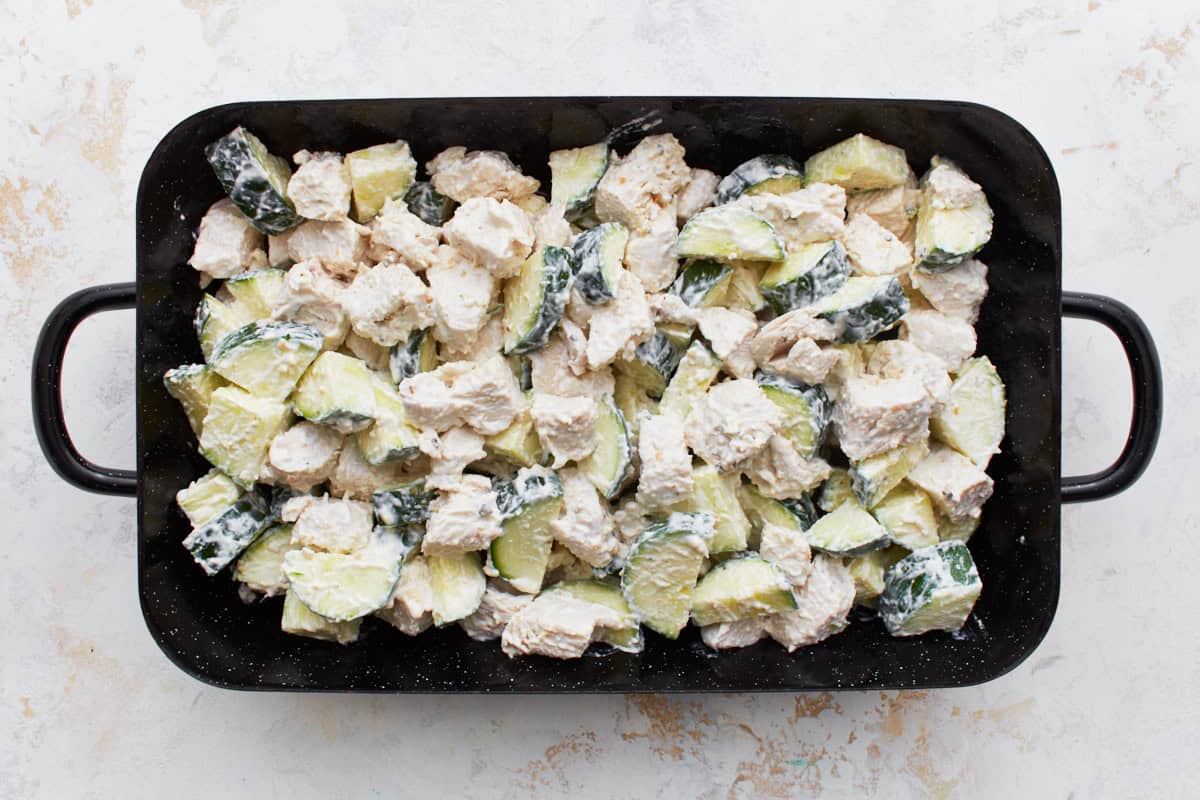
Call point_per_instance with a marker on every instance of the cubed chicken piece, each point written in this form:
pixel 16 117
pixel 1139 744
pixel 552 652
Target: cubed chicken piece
pixel 731 423
pixel 897 358
pixel 322 523
pixel 464 176
pixel 495 610
pixel 631 518
pixel 823 604
pixel 488 342
pixel 563 565
pixel 398 230
pixel 462 294
pixel 429 401
pixel 873 415
pixel 449 454
pixel 566 426
pixel 495 234
pixel 373 354
pixel 463 517
pixel 387 302
pixel 779 471
pixel 670 308
pixel 851 363
pixel 778 336
pixel 731 635
pixel 815 213
pixel 894 208
pixel 956 486
pixel 576 342
pixel 956 292
pixel 314 297
pixel 949 339
pixel 553 371
pixel 340 245
pixel 584 527
pixel 730 332
pixel 355 477
pixel 873 249
pixel 411 606
pixel 946 186
pixel 698 195
pixel 787 549
pixel 806 362
pixel 483 395
pixel 556 625
pixel 620 324
pixel 225 241
pixel 304 455
pixel 637 187
pixel 551 227
pixel 277 250
pixel 650 252
pixel 320 188
pixel 666 475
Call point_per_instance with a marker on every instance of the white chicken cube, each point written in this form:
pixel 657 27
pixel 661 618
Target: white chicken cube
pixel 463 517
pixel 636 188
pixel 776 338
pixel 619 325
pixel 551 227
pixel 483 395
pixel 449 454
pixel 495 234
pixel 584 527
pixel 304 455
pixel 815 213
pixel 314 297
pixel 556 625
pixel 387 302
pixel 566 426
pixel 873 249
pixel 398 230
pixel 895 208
pixel 553 370
pixel 956 486
pixel 670 308
pixel 666 476
pixel 780 472
pixel 464 176
pixel 822 606
pixel 731 635
pixel 730 332
pixel 357 478
pixel 949 339
pixel 897 358
pixel 411 606
pixel 650 252
pixel 731 423
pixel 495 610
pixel 340 245
pixel 373 354
pixel 806 362
pixel 873 414
pixel 462 294
pixel 225 242
pixel 698 195
pixel 320 188
pixel 787 549
pixel 956 292
pixel 946 186
pixel 336 526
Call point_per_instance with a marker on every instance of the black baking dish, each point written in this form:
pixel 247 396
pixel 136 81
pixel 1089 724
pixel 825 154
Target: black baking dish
pixel 204 628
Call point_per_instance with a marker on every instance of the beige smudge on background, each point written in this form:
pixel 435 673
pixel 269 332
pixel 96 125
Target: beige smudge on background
pixel 26 709
pixel 810 706
pixel 1066 151
pixel 673 725
pixel 783 767
pixel 557 758
pixel 1157 78
pixel 215 15
pixel 95 707
pixel 104 121
pixel 76 7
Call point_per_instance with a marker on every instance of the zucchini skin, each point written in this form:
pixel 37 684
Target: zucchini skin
pixel 588 252
pixel 246 182
pixel 823 279
pixel 557 277
pixel 756 172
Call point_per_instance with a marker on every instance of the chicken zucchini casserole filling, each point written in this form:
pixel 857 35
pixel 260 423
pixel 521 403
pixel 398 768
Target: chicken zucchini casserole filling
pixel 658 397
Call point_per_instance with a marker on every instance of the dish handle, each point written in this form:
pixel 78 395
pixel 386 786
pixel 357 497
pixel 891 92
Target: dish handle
pixel 1146 373
pixel 48 420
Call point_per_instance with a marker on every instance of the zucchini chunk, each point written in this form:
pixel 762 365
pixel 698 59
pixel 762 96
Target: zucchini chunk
pixel 859 163
pixel 769 174
pixel 835 490
pixel 718 495
pixel 729 232
pixel 261 565
pixel 610 466
pixel 458 586
pixel 238 430
pixel 703 283
pixel 796 514
pixel 418 354
pixel 627 637
pixel 192 385
pixel 743 287
pixel 848 530
pixel 653 364
pixel 933 589
pixel 215 320
pixel 433 207
pixel 864 307
pixel 633 401
pixel 346 586
pixel 946 237
pixel 908 515
pixel 598 257
pixel 661 571
pixel 950 530
pixel 528 504
pixel 403 505
pixel 300 620
pixel 338 391
pixel 973 421
pixel 806 410
pixel 812 272
pixel 697 371
pixel 868 572
pixel 518 444
pixel 872 478
pixel 255 180
pixel 535 299
pixel 255 292
pixel 741 587
pixel 267 358
pixel 378 174
pixel 574 175
pixel 215 544
pixel 207 496
pixel 392 437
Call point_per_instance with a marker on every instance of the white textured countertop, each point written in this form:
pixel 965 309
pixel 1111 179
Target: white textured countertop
pixel 1106 707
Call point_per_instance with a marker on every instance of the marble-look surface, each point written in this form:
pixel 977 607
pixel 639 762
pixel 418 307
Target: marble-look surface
pixel 1107 707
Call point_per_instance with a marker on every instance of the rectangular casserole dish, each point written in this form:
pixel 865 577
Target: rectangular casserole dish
pixel 203 627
